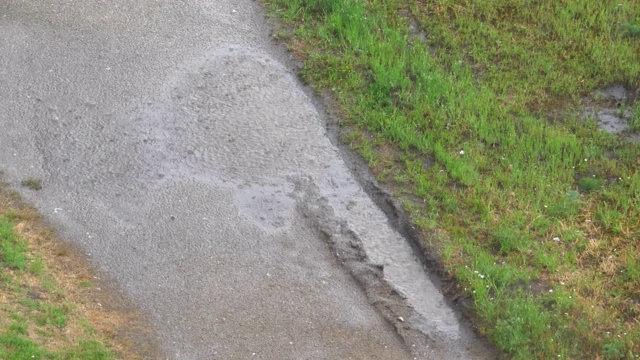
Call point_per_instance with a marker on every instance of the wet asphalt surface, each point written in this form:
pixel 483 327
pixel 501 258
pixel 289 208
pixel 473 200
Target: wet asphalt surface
pixel 178 150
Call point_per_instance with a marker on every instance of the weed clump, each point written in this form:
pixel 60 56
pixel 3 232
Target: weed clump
pixel 588 184
pixel 32 183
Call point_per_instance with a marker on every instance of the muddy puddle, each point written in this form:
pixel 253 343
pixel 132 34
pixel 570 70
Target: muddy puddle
pixel 612 110
pixel 388 249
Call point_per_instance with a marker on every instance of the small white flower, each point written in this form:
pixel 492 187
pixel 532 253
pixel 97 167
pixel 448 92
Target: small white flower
pixel 550 290
pixel 461 152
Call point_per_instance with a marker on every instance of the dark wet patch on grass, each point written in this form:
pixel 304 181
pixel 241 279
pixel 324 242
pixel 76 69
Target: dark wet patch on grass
pixel 616 110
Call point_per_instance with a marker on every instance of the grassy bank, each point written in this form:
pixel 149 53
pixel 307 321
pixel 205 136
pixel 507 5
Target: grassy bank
pixel 471 112
pixel 49 305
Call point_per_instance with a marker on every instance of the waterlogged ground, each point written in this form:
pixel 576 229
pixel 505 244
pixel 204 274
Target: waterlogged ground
pixel 615 112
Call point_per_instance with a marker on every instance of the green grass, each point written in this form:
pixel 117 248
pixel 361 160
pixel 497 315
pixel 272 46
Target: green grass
pixel 635 117
pixel 632 28
pixel 32 319
pixel 479 128
pixel 12 248
pixel 15 345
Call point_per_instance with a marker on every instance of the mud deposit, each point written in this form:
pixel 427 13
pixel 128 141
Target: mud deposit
pixel 612 112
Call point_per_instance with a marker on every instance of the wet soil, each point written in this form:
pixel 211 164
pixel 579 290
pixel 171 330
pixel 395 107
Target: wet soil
pixel 610 107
